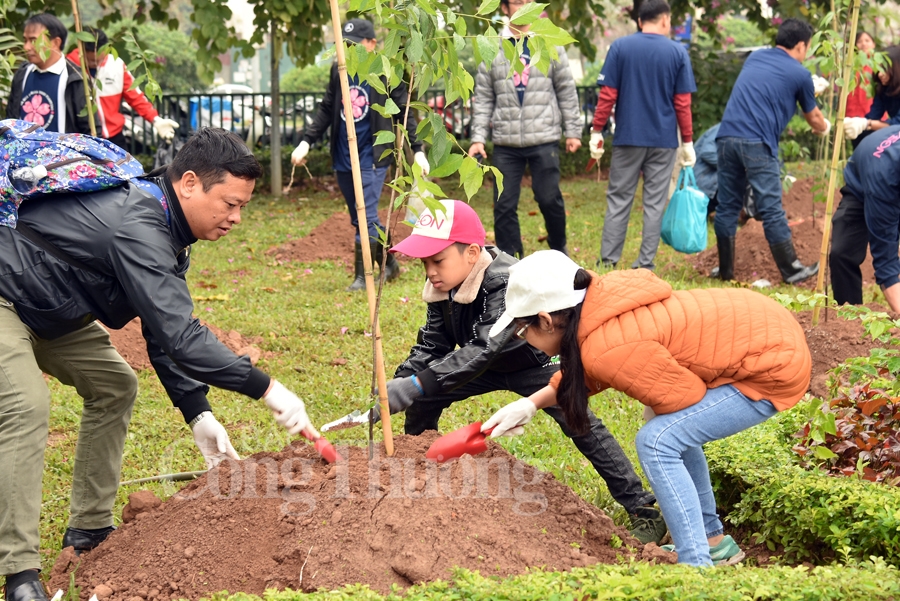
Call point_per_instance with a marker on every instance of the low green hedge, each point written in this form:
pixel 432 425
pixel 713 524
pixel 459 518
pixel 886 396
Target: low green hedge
pixel 814 516
pixel 638 581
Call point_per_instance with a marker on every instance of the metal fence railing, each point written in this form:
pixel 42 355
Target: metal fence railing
pixel 249 115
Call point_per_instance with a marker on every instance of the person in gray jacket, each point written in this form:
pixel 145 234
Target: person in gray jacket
pixel 76 259
pixel 526 113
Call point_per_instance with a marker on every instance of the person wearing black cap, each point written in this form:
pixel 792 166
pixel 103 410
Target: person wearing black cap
pixel 372 162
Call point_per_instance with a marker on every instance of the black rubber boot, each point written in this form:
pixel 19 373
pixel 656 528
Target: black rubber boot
pixel 24 586
pixel 359 270
pixel 85 540
pixel 391 267
pixel 725 270
pixel 792 270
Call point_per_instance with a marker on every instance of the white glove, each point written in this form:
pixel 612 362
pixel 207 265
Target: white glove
pixel 212 440
pixel 854 126
pixel 827 128
pixel 820 84
pixel 422 161
pixel 688 156
pixel 509 420
pixel 165 128
pixel 596 145
pixel 289 410
pixel 300 152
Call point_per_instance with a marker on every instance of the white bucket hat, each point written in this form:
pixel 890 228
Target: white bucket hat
pixel 544 281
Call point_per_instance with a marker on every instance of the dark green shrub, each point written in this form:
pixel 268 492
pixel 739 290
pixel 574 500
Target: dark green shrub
pixel 811 514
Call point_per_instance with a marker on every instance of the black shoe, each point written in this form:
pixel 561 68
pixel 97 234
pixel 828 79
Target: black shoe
pixel 605 264
pixel 85 540
pixel 725 270
pixel 359 270
pixel 391 266
pixel 792 270
pixel 32 590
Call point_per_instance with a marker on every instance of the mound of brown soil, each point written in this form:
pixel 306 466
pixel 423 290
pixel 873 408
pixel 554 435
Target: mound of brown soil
pixel 289 520
pixel 753 259
pixel 831 342
pixel 333 239
pixel 131 344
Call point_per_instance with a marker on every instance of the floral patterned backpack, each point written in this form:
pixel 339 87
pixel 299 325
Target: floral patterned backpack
pixel 34 162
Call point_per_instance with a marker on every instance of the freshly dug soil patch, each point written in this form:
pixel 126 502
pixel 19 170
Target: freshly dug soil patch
pixel 289 520
pixel 753 259
pixel 833 341
pixel 333 239
pixel 131 344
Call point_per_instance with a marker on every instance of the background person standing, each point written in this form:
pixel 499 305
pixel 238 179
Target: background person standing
pixel 48 90
pixel 115 83
pixel 373 167
pixel 649 79
pixel 525 113
pixel 765 96
pixel 868 217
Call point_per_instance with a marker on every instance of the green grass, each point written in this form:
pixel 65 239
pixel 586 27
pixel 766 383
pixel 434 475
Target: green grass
pixel 300 310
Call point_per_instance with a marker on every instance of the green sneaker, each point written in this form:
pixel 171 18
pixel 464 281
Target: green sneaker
pixel 648 525
pixel 726 553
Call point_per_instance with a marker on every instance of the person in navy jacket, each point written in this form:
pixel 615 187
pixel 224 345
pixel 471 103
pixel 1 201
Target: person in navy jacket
pixel 869 216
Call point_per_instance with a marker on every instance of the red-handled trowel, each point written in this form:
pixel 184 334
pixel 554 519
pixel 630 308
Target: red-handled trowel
pixel 324 448
pixel 468 439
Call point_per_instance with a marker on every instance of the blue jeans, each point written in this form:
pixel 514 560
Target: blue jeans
pixel 741 161
pixel 372 181
pixel 670 448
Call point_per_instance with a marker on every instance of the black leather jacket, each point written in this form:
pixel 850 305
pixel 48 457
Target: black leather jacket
pixel 135 263
pixel 435 359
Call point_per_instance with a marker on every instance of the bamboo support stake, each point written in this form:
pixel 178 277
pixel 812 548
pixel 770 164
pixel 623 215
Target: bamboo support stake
pixel 836 153
pixel 275 113
pixel 88 86
pixel 363 229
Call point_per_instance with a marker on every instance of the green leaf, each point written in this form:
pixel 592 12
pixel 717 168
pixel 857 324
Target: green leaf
pixel 824 453
pixel 440 144
pixel 498 178
pixel 427 6
pixel 487 48
pixel 459 42
pixel 460 27
pixel 84 36
pixel 385 136
pixel 392 43
pixel 488 7
pixel 391 107
pixel 377 84
pixel 449 166
pixel 470 176
pixel 528 14
pixel 415 48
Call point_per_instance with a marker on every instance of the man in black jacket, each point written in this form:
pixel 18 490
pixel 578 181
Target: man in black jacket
pixel 77 259
pixel 368 122
pixel 48 90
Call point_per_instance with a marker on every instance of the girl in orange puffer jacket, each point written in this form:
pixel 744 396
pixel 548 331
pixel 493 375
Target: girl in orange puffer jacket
pixel 708 362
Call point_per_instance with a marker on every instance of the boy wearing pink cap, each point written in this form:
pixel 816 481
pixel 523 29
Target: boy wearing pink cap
pixel 455 358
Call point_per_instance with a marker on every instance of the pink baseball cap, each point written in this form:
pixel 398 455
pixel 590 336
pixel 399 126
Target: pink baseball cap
pixel 458 222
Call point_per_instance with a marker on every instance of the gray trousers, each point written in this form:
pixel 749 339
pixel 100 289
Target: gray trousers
pixel 86 360
pixel 625 169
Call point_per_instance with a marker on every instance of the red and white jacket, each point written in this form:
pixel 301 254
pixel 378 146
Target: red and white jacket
pixel 115 82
